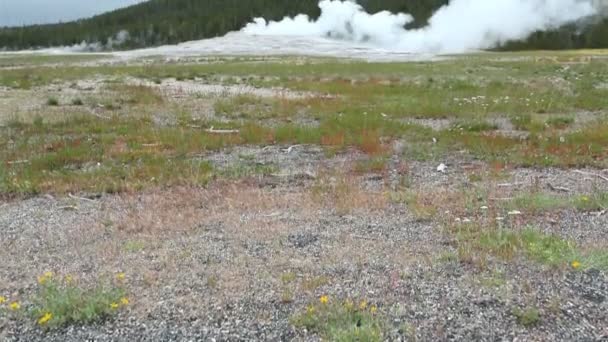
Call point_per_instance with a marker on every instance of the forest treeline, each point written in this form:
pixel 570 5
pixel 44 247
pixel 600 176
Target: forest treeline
pixel 159 22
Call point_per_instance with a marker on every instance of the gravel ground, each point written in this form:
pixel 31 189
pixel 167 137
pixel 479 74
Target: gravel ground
pixel 207 264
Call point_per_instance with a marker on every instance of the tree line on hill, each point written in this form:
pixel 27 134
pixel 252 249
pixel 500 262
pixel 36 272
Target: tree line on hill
pixel 159 22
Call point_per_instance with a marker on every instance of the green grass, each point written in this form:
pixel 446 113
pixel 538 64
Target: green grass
pixel 527 317
pixel 30 60
pixel 560 122
pixel 341 321
pixel 545 249
pixel 370 100
pixel 77 102
pixel 534 203
pixel 62 301
pixel 51 101
pixel 475 126
pixel 374 164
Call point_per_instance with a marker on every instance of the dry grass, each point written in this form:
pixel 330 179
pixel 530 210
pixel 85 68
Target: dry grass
pixel 343 193
pixel 243 208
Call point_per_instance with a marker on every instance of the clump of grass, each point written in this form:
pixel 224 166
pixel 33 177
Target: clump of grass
pixel 560 122
pixel 527 317
pixel 134 246
pixel 288 277
pixel 52 101
pixel 537 202
pixel 595 201
pixel 375 164
pixel 475 126
pixel 546 249
pixel 77 102
pixel 422 205
pixel 344 194
pixel 138 94
pixel 286 296
pixel 342 321
pixel 213 281
pixel 62 301
pixel 243 170
pixel 314 283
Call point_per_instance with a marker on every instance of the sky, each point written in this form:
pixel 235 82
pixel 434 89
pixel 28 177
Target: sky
pixel 24 12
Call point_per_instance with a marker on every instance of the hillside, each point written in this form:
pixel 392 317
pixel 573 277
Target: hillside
pixel 160 22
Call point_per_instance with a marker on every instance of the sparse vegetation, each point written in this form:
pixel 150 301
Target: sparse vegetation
pixel 342 321
pixel 527 317
pixel 61 300
pixel 77 102
pixel 329 186
pixel 546 249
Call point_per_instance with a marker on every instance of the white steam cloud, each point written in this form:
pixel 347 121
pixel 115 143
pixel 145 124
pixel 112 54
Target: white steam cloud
pixel 460 26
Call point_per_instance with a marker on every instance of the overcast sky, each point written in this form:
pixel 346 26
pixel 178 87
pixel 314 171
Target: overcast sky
pixel 20 12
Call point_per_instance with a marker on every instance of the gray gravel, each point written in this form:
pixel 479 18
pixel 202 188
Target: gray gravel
pixel 207 264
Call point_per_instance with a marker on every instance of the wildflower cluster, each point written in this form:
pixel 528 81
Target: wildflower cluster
pixel 13 305
pixel 61 300
pixel 342 320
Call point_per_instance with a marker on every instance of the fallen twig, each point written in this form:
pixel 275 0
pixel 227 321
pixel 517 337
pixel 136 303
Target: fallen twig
pixel 18 162
pixel 558 188
pixel 82 198
pixel 290 148
pixel 364 237
pixel 303 175
pixel 221 131
pixel 68 207
pixel 271 214
pixel 591 174
pixel 151 145
pixel 507 185
pixel 501 199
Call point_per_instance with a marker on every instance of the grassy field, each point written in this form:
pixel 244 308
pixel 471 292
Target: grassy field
pixel 531 112
pixel 168 152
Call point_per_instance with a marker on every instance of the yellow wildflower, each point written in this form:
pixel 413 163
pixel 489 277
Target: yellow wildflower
pixel 2 299
pixel 363 305
pixel 373 309
pixel 124 301
pixel 324 299
pixel 69 279
pixel 48 274
pixel 114 306
pixel 121 276
pixel 310 309
pixel 585 199
pixel 575 264
pixel 44 319
pixel 15 306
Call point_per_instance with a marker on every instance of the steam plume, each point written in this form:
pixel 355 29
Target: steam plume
pixel 460 26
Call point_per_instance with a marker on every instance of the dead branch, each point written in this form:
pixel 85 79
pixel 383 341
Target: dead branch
pixel 82 198
pixel 222 131
pixel 558 188
pixel 507 185
pixel 25 161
